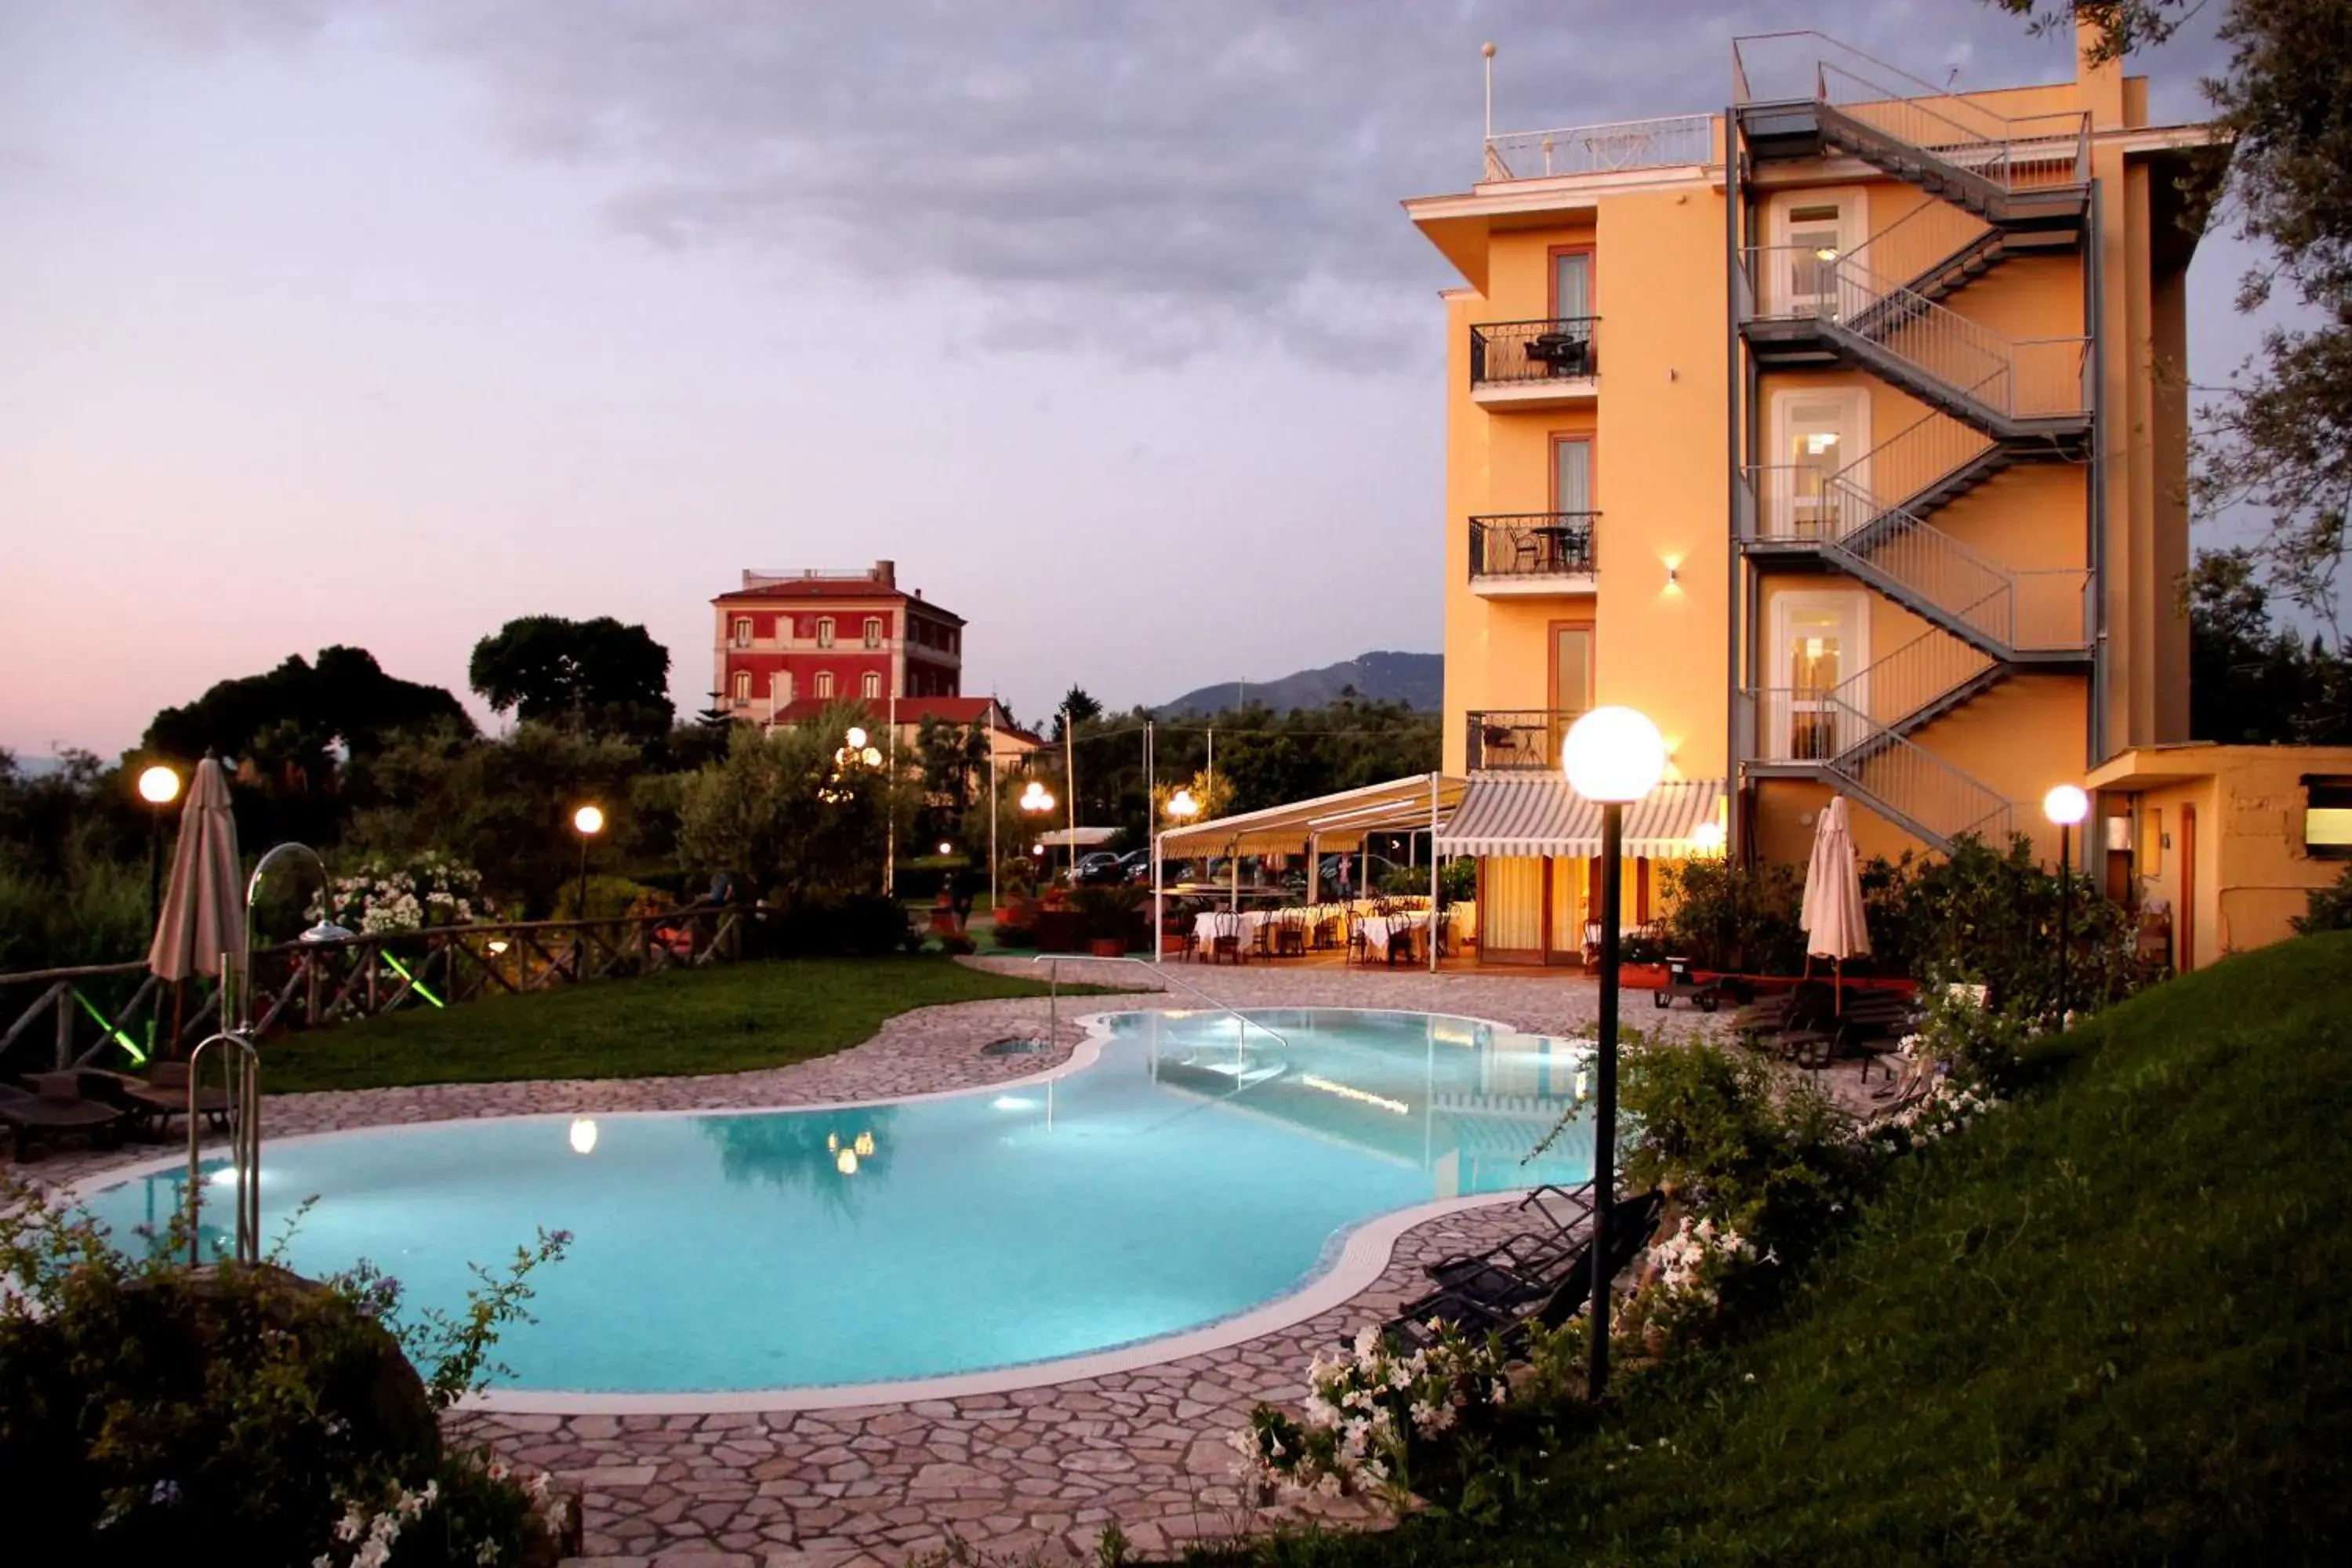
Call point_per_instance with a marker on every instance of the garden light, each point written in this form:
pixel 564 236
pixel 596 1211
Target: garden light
pixel 583 1134
pixel 1182 806
pixel 1611 755
pixel 856 739
pixel 589 819
pixel 2066 805
pixel 159 786
pixel 946 847
pixel 1708 837
pixel 871 756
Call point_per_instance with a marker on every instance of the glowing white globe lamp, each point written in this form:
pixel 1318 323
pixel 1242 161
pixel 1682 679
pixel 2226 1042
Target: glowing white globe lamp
pixel 1613 754
pixel 2066 806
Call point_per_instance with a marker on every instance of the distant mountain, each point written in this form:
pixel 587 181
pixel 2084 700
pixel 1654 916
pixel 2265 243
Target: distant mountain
pixel 1415 680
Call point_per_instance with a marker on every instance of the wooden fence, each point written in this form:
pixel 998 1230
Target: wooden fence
pixel 80 1013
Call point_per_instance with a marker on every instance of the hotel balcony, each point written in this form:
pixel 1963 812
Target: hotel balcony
pixel 1532 553
pixel 1535 364
pixel 1518 740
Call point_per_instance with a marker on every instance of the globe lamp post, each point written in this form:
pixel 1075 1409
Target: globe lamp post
pixel 159 786
pixel 2066 806
pixel 588 821
pixel 1611 755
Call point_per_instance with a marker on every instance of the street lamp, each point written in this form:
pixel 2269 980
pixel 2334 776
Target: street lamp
pixel 1037 801
pixel 159 786
pixel 1611 755
pixel 2066 806
pixel 590 821
pixel 1182 806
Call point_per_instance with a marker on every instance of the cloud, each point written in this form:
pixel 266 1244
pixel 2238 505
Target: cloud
pixel 1148 181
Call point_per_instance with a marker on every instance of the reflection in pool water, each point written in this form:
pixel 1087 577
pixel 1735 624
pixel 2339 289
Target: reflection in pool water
pixel 1199 1168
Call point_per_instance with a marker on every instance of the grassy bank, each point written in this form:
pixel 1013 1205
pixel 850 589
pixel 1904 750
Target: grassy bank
pixel 719 1020
pixel 2109 1325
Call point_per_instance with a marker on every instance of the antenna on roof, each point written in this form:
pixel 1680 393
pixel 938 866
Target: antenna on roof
pixel 1487 50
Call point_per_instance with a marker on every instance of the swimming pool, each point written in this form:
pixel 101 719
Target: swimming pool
pixel 1187 1170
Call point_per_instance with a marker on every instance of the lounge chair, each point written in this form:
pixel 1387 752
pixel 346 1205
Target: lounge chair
pixel 1869 1025
pixel 1509 1312
pixel 1565 1211
pixel 52 1105
pixel 152 1101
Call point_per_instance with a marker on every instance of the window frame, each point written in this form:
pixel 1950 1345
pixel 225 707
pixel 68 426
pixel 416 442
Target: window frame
pixel 873 631
pixel 742 687
pixel 743 631
pixel 824 686
pixel 2338 790
pixel 824 631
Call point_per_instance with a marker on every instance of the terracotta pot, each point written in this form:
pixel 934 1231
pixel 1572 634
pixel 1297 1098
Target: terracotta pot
pixel 1107 947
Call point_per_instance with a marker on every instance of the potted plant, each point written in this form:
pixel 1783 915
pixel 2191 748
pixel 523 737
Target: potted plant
pixel 1108 912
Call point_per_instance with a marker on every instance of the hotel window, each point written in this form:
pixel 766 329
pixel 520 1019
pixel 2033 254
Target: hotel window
pixel 1822 438
pixel 743 631
pixel 1811 237
pixel 824 684
pixel 824 631
pixel 873 631
pixel 742 686
pixel 2327 819
pixel 869 685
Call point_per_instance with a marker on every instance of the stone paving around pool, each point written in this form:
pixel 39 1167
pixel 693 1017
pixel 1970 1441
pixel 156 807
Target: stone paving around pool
pixel 1037 1470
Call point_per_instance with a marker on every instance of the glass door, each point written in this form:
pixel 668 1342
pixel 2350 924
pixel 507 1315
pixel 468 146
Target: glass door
pixel 1819 644
pixel 1809 238
pixel 1818 478
pixel 1566 544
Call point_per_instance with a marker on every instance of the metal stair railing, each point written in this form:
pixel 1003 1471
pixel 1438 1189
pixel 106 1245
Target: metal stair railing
pixel 1899 691
pixel 2012 153
pixel 1926 243
pixel 1895 776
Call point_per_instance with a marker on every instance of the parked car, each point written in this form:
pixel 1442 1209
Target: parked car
pixel 1095 866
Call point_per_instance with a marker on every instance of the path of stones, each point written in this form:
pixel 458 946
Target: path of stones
pixel 1035 1471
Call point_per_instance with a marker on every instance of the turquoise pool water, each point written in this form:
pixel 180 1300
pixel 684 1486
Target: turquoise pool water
pixel 1195 1170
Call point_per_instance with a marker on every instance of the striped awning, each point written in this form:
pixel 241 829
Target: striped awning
pixel 1539 813
pixel 1339 821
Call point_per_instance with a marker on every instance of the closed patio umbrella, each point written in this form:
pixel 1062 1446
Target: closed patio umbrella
pixel 1835 928
pixel 203 915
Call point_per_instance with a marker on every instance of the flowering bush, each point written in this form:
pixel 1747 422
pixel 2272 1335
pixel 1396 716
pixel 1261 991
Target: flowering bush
pixel 1961 1035
pixel 380 896
pixel 238 1413
pixel 1366 1413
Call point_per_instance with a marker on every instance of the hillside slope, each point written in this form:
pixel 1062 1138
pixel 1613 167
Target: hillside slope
pixel 2109 1325
pixel 1415 680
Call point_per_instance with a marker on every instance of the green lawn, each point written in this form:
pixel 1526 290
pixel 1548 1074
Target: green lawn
pixel 2112 1324
pixel 703 1021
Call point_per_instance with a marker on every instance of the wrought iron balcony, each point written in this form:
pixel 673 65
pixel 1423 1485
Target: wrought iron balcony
pixel 1551 361
pixel 1533 552
pixel 1525 740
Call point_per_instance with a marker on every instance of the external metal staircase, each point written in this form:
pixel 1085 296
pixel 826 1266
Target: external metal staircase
pixel 2003 188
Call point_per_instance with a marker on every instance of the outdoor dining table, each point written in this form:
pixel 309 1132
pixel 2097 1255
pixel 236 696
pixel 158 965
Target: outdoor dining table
pixel 1379 929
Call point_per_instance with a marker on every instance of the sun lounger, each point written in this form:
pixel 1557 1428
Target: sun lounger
pixel 152 1101
pixel 1564 1211
pixel 54 1107
pixel 1510 1313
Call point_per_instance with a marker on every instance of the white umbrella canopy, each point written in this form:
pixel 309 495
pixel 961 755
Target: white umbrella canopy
pixel 1835 927
pixel 203 915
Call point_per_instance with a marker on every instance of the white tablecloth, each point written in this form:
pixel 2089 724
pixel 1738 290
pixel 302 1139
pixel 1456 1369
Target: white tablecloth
pixel 1378 929
pixel 1204 927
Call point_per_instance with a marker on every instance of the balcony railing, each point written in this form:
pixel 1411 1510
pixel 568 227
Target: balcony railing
pixel 1515 353
pixel 1670 142
pixel 1525 740
pixel 1533 544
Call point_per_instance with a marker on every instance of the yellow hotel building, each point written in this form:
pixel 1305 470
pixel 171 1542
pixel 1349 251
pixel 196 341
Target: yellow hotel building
pixel 1842 433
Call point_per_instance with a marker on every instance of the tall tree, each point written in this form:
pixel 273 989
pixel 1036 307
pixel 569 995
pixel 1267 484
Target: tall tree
pixel 290 721
pixel 2250 679
pixel 1077 708
pixel 2279 437
pixel 597 675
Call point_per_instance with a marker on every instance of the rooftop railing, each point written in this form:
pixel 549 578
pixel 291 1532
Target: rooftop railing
pixel 1672 141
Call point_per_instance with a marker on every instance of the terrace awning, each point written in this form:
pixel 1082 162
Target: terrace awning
pixel 1539 814
pixel 1338 821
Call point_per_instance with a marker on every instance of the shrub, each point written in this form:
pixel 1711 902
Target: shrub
pixel 1110 911
pixel 1733 1141
pixel 148 1410
pixel 853 925
pixel 1738 919
pixel 386 895
pixel 1991 918
pixel 2327 909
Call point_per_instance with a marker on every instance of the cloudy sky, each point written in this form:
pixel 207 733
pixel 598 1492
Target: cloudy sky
pixel 332 322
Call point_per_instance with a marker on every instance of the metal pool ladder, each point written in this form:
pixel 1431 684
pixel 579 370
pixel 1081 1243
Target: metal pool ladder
pixel 242 1077
pixel 1159 973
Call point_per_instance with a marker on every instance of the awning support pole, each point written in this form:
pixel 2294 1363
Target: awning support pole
pixel 1432 873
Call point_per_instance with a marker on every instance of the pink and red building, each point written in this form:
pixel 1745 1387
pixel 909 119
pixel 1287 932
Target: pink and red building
pixel 812 637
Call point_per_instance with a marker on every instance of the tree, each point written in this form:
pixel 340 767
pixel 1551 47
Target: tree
pixel 597 675
pixel 1077 708
pixel 290 722
pixel 2250 679
pixel 784 812
pixel 2279 437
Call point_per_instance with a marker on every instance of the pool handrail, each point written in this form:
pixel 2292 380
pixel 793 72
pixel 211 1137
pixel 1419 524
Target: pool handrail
pixel 1159 973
